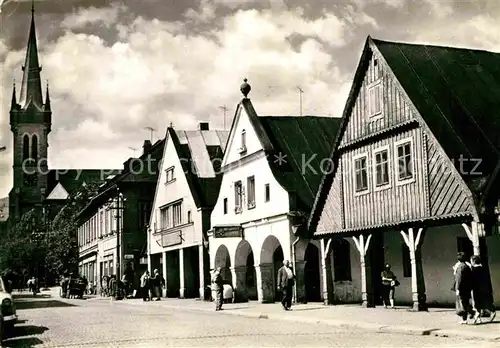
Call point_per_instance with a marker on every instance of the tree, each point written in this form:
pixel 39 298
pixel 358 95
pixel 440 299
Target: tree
pixel 20 251
pixel 62 251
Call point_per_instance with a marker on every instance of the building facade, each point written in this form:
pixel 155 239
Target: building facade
pixel 186 193
pixel 271 171
pixel 112 233
pixel 31 124
pixel 416 177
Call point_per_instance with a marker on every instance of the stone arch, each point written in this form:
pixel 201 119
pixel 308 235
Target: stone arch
pixel 246 277
pixel 223 260
pixel 271 259
pixel 312 273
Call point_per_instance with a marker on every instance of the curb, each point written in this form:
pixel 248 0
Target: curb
pixel 381 328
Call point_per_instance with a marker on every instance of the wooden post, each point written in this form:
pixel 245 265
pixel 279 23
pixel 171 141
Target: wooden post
pixel 413 242
pixel 366 276
pixel 474 231
pixel 325 249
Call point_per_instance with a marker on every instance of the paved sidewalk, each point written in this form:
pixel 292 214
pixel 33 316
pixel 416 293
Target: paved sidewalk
pixel 437 321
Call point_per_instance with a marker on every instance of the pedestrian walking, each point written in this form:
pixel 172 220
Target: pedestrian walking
pixel 286 281
pixel 463 290
pixel 389 283
pixel 145 284
pixel 157 285
pixel 218 288
pixel 481 291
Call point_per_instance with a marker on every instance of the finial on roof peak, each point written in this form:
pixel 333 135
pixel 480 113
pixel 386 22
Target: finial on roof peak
pixel 32 6
pixel 245 88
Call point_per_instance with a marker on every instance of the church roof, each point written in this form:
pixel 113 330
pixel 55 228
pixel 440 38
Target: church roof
pixel 72 179
pixel 58 193
pixel 31 87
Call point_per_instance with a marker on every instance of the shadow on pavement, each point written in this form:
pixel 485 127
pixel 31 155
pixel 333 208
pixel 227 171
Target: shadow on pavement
pixel 15 337
pixel 27 342
pixel 20 305
pixel 19 296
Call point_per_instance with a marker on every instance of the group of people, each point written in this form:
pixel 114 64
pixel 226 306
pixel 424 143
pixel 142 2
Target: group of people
pixel 285 282
pixel 474 297
pixel 471 286
pixel 152 286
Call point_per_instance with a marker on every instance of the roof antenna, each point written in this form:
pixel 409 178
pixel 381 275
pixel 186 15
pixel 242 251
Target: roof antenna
pixel 301 91
pixel 133 149
pixel 151 130
pixel 224 108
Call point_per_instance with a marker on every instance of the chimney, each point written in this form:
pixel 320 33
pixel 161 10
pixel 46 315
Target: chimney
pixel 203 126
pixel 146 146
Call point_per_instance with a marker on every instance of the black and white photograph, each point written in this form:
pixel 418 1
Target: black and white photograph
pixel 249 173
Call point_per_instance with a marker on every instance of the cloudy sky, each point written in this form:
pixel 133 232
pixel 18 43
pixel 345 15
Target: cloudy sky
pixel 116 67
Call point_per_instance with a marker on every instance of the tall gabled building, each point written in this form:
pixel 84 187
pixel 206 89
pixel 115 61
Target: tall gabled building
pixel 30 123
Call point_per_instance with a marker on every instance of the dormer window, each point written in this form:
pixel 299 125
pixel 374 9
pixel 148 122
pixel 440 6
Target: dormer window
pixel 243 147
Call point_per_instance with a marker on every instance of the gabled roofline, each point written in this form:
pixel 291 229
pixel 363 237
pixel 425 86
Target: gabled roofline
pixel 351 100
pixel 247 105
pixel 192 185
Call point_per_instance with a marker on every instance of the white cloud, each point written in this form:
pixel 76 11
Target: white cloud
pixel 479 32
pixel 92 15
pixel 104 95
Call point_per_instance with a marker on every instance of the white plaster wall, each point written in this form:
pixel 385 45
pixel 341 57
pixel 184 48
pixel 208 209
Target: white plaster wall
pixel 252 142
pixel 259 168
pixel 170 192
pixel 255 235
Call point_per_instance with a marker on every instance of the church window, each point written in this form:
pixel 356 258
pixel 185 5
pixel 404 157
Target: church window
pixel 34 148
pixel 26 147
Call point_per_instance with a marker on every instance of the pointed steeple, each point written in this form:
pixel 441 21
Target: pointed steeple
pixel 47 99
pixel 31 87
pixel 13 104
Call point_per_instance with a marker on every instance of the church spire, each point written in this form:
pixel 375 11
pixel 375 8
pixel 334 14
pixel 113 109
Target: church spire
pixel 13 104
pixel 31 88
pixel 47 99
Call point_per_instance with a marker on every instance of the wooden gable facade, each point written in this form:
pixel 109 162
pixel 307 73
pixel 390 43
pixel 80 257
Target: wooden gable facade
pixel 391 169
pixel 414 152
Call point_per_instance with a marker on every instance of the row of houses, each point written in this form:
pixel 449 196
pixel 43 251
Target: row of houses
pixel 407 176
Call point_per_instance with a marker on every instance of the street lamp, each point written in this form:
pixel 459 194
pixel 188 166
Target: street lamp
pixel 120 207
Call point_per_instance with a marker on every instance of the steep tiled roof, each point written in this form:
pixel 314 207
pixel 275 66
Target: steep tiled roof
pixel 109 188
pixel 201 153
pixel 301 144
pixel 457 92
pixel 295 147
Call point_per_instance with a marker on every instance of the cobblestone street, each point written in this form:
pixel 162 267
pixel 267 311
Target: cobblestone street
pixel 50 322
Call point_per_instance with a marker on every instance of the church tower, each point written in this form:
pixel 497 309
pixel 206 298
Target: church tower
pixel 30 123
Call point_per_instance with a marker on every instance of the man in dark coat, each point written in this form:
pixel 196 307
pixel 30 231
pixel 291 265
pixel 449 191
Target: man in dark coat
pixel 285 283
pixel 463 288
pixel 481 291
